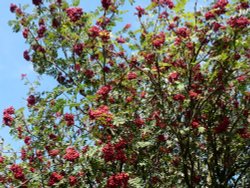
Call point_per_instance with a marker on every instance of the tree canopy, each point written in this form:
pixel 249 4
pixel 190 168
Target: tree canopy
pixel 164 103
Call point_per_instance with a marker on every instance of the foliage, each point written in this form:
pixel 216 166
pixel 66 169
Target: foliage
pixel 162 105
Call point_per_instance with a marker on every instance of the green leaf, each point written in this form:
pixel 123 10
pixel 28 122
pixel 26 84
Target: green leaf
pixel 151 6
pixel 181 86
pixel 180 5
pixel 136 182
pixel 76 3
pixel 77 168
pixel 143 144
pixel 20 111
pixel 119 121
pixel 201 129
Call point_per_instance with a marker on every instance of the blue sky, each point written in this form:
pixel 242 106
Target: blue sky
pixel 12 65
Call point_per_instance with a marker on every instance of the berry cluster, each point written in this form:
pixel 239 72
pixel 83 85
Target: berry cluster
pixel 7 116
pixel 74 13
pixel 71 154
pixel 119 180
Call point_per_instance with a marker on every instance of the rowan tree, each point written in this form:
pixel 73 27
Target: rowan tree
pixel 163 103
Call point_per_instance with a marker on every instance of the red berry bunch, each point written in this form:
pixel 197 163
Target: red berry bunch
pixel 119 180
pixel 17 172
pixel 71 154
pixel 7 116
pixel 239 23
pixel 54 178
pixel 31 100
pixel 78 48
pixel 37 2
pixel 158 40
pixel 104 90
pixel 69 118
pixel 74 13
pixel 106 4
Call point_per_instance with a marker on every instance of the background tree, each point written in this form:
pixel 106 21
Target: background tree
pixel 165 105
